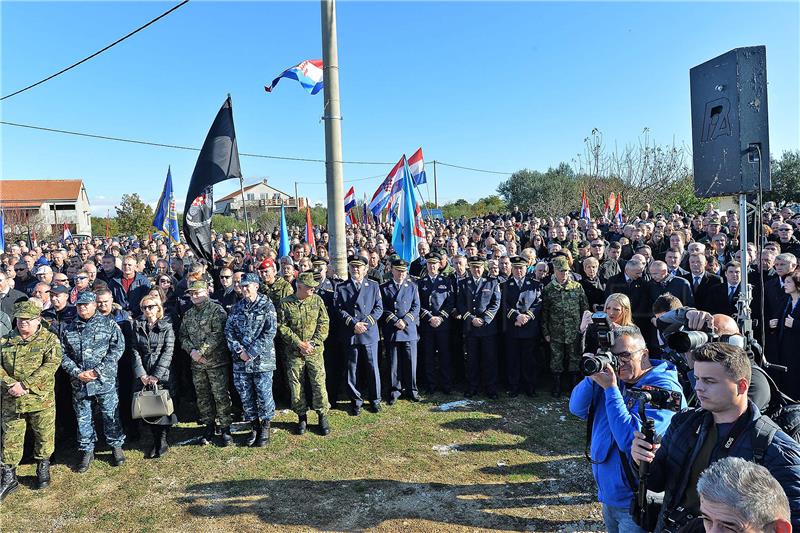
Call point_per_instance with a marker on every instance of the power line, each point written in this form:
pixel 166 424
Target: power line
pixel 85 59
pixel 473 169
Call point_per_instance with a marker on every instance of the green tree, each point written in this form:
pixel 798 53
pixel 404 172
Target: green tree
pixel 134 217
pixel 785 179
pixel 226 224
pixel 99 226
pixel 550 192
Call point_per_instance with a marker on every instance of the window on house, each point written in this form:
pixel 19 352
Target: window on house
pixel 251 196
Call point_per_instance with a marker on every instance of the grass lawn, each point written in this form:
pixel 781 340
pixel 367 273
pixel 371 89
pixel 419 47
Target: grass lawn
pixel 507 465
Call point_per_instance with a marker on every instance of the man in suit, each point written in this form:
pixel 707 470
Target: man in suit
pixel 672 258
pixel 359 306
pixel 418 265
pixel 9 295
pixel 437 302
pixel 702 282
pixel 725 296
pixel 775 297
pixel 400 318
pixel 662 282
pixel 478 301
pixel 633 284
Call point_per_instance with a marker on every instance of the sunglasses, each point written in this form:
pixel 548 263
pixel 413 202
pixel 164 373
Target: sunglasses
pixel 148 307
pixel 20 269
pixel 229 277
pixel 165 281
pixel 81 278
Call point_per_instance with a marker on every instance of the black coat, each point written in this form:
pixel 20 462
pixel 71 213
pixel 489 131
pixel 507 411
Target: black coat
pixel 703 293
pixel 676 286
pixel 11 297
pixel 595 292
pixel 151 351
pixel 788 354
pixel 722 303
pixel 641 305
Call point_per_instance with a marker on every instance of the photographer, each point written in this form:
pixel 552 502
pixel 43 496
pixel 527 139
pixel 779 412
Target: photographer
pixel 724 425
pixel 601 399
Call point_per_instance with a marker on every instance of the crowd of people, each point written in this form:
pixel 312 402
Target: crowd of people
pixel 496 304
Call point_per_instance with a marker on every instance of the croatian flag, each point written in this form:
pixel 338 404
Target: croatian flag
pixel 408 227
pixel 308 73
pixel 417 167
pixel 618 209
pixel 385 190
pixel 585 212
pixel 349 200
pixel 310 231
pixel 67 233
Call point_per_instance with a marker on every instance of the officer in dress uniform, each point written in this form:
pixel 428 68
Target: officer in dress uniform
pixel 400 320
pixel 437 301
pixel 358 306
pixel 522 301
pixel 478 302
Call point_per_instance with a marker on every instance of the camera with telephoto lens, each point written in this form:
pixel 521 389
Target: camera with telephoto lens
pixel 592 364
pixel 674 329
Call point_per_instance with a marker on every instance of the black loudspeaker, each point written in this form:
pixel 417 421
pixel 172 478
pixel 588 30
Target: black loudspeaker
pixel 730 123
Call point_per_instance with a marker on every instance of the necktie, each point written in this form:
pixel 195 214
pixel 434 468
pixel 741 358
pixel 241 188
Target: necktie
pixel 696 281
pixel 358 286
pixel 731 290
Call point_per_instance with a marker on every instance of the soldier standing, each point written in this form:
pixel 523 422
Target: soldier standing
pixel 478 302
pixel 277 288
pixel 250 332
pixel 522 301
pixel 359 307
pixel 303 324
pixel 202 335
pixel 29 358
pixel 400 318
pixel 437 301
pixel 93 345
pixel 563 304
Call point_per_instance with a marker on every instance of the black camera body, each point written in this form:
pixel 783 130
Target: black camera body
pixel 592 364
pixel 657 397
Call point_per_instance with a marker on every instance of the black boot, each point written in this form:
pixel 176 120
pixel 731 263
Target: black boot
pixel 9 481
pixel 163 444
pixel 86 460
pixel 255 425
pixel 302 424
pixel 227 439
pixel 117 456
pixel 152 453
pixel 324 425
pixel 556 392
pixel 42 474
pixel 208 434
pixel 263 435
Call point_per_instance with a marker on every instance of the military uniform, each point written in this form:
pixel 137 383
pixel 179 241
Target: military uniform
pixel 401 302
pixel 305 321
pixel 334 369
pixel 66 424
pixel 94 344
pixel 279 290
pixel 203 329
pixel 437 299
pixel 562 309
pixel 33 363
pixel 521 297
pixel 480 299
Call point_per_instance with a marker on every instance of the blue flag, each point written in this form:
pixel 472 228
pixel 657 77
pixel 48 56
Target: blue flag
pixel 166 219
pixel 283 247
pixel 406 230
pixel 2 231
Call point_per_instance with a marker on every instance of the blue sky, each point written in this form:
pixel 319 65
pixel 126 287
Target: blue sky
pixel 492 85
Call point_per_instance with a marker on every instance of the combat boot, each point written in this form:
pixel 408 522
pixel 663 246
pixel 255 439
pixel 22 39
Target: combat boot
pixel 163 444
pixel 324 425
pixel 86 460
pixel 227 439
pixel 9 481
pixel 556 392
pixel 208 434
pixel 255 425
pixel 117 456
pixel 42 474
pixel 302 424
pixel 263 435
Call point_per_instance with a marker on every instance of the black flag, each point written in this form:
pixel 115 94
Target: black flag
pixel 218 161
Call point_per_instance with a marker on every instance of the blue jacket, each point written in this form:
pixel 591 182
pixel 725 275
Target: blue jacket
pixel 130 301
pixel 481 300
pixel 615 420
pixel 669 471
pixel 518 301
pixel 437 298
pixel 251 327
pixel 95 344
pixel 400 304
pixel 354 306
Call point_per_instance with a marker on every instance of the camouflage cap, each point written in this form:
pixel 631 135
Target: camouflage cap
pixel 307 279
pixel 26 309
pixel 249 278
pixel 198 285
pixel 561 264
pixel 714 220
pixel 86 297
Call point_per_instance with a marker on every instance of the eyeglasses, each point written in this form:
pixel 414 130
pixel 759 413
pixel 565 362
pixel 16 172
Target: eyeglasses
pixel 81 278
pixel 148 307
pixel 229 277
pixel 626 356
pixel 165 281
pixel 20 269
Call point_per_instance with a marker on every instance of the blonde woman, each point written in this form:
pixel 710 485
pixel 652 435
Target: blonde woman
pixel 152 347
pixel 618 309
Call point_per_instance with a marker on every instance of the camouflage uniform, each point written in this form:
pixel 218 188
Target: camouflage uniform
pixel 33 363
pixel 94 344
pixel 203 329
pixel 279 290
pixel 305 320
pixel 562 309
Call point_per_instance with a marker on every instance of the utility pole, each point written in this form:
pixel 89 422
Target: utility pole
pixel 435 187
pixel 297 198
pixel 331 114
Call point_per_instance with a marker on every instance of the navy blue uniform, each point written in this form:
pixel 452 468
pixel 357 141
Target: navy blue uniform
pixel 437 299
pixel 334 370
pixel 521 342
pixel 355 305
pixel 480 299
pixel 401 303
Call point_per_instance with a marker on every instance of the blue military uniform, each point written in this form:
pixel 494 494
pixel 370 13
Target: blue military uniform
pixel 401 303
pixel 355 304
pixel 94 344
pixel 334 370
pixel 480 299
pixel 521 297
pixel 437 299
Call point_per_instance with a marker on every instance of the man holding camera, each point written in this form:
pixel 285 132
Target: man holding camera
pixel 726 424
pixel 605 399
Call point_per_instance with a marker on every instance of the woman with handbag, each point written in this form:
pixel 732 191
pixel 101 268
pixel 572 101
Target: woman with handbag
pixel 153 344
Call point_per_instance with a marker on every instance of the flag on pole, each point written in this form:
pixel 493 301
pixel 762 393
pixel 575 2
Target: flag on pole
pixel 384 192
pixel 67 234
pixel 350 200
pixel 611 204
pixel 283 247
pixel 364 211
pixel 308 73
pixel 218 161
pixel 417 167
pixel 108 229
pixel 407 229
pixel 2 231
pixel 166 219
pixel 586 213
pixel 618 208
pixel 310 231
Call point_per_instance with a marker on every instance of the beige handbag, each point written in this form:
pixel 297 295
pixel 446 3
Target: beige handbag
pixel 152 403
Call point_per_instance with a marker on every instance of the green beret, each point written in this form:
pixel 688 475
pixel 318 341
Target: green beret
pixel 307 279
pixel 27 309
